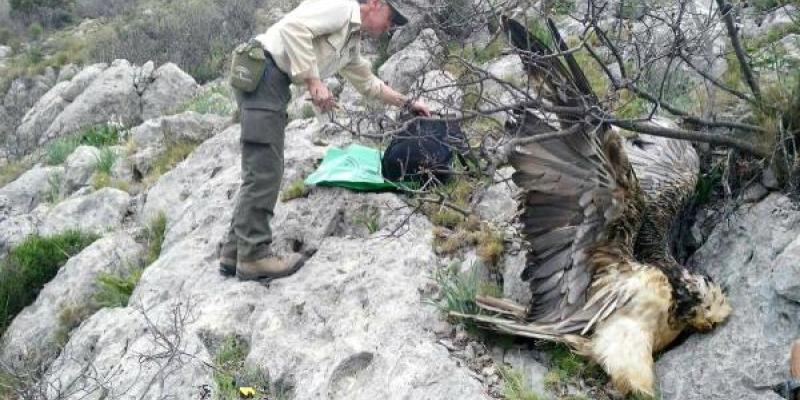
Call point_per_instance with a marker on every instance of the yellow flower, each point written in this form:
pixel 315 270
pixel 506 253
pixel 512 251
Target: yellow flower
pixel 247 392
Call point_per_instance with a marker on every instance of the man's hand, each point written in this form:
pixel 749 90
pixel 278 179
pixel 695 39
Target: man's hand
pixel 321 96
pixel 418 107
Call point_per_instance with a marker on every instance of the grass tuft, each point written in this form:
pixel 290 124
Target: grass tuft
pixel 33 263
pixel 154 235
pixel 456 291
pixel 514 385
pixel 295 190
pixel 105 161
pixel 115 289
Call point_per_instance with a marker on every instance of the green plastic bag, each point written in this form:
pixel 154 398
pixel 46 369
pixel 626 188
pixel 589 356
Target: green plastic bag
pixel 356 167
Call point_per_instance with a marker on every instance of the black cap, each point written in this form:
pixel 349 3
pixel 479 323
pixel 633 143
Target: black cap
pixel 398 19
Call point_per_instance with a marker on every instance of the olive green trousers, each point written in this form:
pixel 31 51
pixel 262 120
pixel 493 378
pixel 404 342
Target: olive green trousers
pixel 263 121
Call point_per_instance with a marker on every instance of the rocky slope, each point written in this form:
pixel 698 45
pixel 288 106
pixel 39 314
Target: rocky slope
pixel 355 322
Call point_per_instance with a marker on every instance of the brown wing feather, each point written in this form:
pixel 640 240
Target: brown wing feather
pixel 581 206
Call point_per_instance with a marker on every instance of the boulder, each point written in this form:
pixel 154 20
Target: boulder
pixel 170 87
pixel 39 330
pixel 403 68
pixel 41 115
pixel 82 80
pixel 98 212
pixel 747 255
pixel 31 188
pixel 499 204
pixel 79 167
pixel 440 92
pixel 110 97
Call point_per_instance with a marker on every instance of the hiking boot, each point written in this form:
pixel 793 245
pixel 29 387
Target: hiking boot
pixel 227 261
pixel 270 267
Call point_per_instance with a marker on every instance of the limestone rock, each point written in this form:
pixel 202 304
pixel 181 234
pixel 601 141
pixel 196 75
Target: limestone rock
pixel 441 93
pixel 97 212
pixel 35 332
pixel 79 167
pixel 403 68
pixel 170 87
pixel 752 347
pixel 110 97
pixel 31 188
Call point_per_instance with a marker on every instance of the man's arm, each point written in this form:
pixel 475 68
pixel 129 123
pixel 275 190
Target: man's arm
pixel 360 75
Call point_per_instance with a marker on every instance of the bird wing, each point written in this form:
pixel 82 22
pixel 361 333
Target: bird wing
pixel 667 171
pixel 581 205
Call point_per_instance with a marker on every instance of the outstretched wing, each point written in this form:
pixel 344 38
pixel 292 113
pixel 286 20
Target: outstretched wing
pixel 581 203
pixel 667 170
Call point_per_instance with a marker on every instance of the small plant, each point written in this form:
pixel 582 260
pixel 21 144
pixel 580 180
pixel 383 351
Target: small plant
pixel 60 149
pixel 105 161
pixel 490 246
pixel 33 263
pixel 514 385
pixel 101 135
pixel 230 373
pixel 295 190
pixel 69 318
pixel 175 153
pixel 307 111
pixel 369 217
pixel 54 183
pixel 457 291
pixel 115 289
pixel 155 237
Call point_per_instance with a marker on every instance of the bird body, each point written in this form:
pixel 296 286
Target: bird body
pixel 596 213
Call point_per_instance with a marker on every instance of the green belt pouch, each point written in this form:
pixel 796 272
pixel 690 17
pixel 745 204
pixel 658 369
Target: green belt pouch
pixel 247 66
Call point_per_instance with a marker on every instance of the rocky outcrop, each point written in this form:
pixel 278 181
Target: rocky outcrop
pixel 38 331
pixel 749 255
pixel 403 68
pixel 79 167
pixel 339 328
pixel 97 212
pixel 121 93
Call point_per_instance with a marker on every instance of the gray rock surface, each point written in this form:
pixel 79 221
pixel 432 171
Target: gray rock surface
pixel 41 115
pixel 110 97
pixel 79 167
pixel 752 348
pixel 31 188
pixel 38 329
pixel 786 275
pixel 350 324
pixel 99 212
pixel 403 68
pixel 440 92
pixel 20 97
pixel 170 87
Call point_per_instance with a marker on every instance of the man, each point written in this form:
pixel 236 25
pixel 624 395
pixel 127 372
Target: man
pixel 315 40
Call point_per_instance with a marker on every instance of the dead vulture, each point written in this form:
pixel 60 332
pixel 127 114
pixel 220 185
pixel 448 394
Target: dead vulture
pixel 598 264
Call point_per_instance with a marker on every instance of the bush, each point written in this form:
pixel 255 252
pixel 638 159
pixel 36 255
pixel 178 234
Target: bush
pixel 213 28
pixel 30 265
pixel 97 135
pixel 115 289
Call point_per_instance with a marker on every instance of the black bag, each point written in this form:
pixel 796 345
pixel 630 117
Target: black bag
pixel 423 151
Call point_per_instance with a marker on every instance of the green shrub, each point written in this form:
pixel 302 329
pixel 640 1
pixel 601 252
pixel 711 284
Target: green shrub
pixel 105 161
pixel 295 190
pixel 154 235
pixel 35 30
pixel 59 149
pixel 101 135
pixel 214 100
pixel 33 263
pixel 115 289
pixel 457 291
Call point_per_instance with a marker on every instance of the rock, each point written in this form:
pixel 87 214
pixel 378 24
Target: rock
pixel 31 188
pixel 21 96
pixel 754 192
pixel 110 97
pixel 778 17
pixel 151 138
pixel 506 68
pixel 82 80
pixel 79 167
pixel 15 228
pixel 403 68
pixel 440 92
pixel 97 212
pixel 38 331
pixel 498 203
pixel 791 43
pixel 513 286
pixel 752 347
pixel 5 52
pixel 171 87
pixel 40 116
pixel 67 72
pixel 786 275
pixel 769 180
pixel 533 372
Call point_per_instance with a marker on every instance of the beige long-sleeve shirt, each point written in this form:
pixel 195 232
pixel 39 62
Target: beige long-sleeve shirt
pixel 320 38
